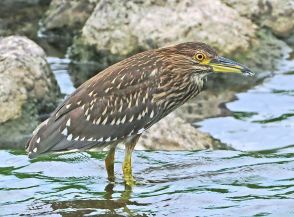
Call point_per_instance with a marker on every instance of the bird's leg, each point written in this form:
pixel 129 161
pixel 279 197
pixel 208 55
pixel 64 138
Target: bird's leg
pixel 109 163
pixel 127 164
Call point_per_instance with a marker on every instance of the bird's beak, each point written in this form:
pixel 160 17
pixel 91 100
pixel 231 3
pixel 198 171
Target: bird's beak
pixel 223 65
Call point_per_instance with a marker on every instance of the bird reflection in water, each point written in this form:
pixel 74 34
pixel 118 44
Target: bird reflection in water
pixel 96 207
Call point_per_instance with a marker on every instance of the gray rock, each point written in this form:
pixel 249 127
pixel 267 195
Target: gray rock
pixel 207 104
pixel 120 28
pixel 277 15
pixel 173 133
pixel 27 87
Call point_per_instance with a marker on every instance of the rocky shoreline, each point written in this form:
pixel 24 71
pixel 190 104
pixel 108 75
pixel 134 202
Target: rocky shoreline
pixel 97 34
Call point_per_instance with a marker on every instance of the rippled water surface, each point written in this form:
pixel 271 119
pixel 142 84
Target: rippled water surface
pixel 254 179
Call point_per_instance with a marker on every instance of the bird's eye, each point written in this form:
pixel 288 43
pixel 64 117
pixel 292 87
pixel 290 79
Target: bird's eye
pixel 199 56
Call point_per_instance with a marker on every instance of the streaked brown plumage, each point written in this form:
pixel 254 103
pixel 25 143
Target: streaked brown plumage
pixel 121 102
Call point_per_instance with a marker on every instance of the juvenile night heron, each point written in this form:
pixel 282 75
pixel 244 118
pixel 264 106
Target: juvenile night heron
pixel 121 102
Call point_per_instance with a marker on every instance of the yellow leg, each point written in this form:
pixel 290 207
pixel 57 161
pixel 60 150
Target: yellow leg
pixel 109 163
pixel 127 164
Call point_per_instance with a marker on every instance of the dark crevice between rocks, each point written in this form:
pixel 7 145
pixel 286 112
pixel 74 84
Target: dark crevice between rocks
pixel 21 17
pixel 64 21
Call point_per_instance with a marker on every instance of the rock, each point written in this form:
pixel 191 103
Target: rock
pixel 67 17
pixel 117 29
pixel 27 87
pixel 277 15
pixel 206 105
pixel 173 133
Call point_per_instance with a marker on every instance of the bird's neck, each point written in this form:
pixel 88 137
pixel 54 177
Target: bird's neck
pixel 175 91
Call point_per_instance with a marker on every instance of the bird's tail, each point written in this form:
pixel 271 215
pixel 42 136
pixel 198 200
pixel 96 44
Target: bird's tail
pixel 47 137
pixel 44 137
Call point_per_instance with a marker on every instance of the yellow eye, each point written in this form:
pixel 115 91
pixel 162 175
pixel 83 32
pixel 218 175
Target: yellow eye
pixel 199 56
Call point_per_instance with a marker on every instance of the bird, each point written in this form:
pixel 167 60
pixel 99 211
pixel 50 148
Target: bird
pixel 121 102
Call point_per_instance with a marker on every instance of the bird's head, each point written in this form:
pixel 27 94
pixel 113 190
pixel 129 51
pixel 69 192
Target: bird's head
pixel 204 60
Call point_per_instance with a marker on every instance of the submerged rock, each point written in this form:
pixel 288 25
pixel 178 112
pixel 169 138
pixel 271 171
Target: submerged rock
pixel 27 87
pixel 173 133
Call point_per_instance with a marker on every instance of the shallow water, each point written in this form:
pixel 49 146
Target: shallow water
pixel 204 183
pixel 254 179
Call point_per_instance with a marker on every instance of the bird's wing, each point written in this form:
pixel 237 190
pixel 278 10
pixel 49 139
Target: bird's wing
pixel 109 107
